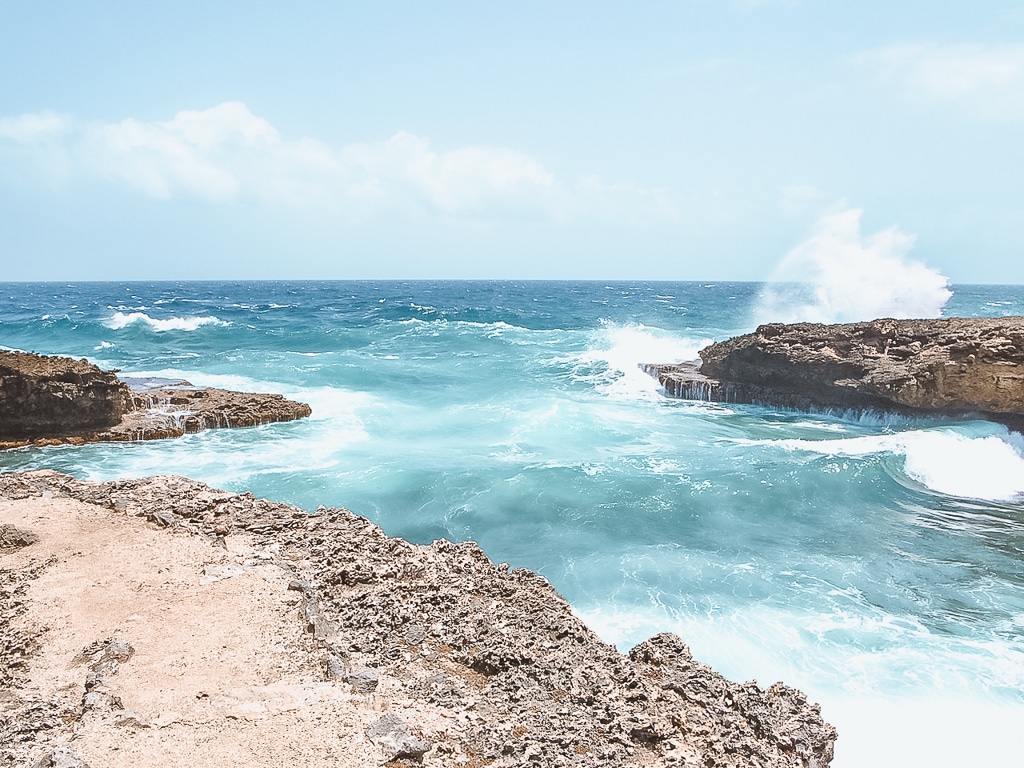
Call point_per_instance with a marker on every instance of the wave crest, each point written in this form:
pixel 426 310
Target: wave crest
pixel 990 468
pixel 121 320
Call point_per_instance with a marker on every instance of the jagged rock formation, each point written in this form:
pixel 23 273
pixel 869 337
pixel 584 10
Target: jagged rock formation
pixel 495 652
pixel 53 400
pixel 952 366
pixel 42 396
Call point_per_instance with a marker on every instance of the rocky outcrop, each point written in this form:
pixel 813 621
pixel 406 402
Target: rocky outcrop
pixel 43 396
pixel 494 651
pixel 180 408
pixel 950 366
pixel 53 400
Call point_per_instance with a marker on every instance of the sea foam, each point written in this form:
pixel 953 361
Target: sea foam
pixel 947 462
pixel 121 320
pixel 611 361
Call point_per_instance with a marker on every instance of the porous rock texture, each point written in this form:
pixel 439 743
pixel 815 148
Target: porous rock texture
pixel 172 411
pixel 493 653
pixel 53 400
pixel 952 366
pixel 42 396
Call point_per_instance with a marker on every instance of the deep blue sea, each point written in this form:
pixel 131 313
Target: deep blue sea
pixel 876 563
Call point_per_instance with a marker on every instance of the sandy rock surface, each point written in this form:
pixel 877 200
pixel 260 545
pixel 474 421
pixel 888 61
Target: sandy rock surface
pixel 221 671
pixel 161 622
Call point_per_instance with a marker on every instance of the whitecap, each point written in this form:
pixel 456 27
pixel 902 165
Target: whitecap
pixel 121 320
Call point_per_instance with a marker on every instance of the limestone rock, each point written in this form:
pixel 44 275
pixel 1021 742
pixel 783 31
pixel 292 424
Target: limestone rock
pixel 52 400
pixel 62 757
pixel 12 538
pixel 953 366
pixel 43 396
pixel 393 737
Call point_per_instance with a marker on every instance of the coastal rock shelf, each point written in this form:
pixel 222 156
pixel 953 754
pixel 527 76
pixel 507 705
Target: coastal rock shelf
pixel 955 366
pixel 41 395
pixel 51 400
pixel 429 654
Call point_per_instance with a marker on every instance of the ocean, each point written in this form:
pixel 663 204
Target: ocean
pixel 875 562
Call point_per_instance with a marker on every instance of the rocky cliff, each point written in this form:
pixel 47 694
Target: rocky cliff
pixel 472 663
pixel 43 396
pixel 51 400
pixel 952 366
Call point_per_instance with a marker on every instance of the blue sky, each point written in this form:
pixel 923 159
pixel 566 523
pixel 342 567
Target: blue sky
pixel 697 139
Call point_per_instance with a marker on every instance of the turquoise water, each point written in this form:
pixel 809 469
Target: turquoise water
pixel 876 563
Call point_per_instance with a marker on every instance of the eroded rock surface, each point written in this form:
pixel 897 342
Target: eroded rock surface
pixel 42 396
pixel 54 400
pixel 953 366
pixel 494 653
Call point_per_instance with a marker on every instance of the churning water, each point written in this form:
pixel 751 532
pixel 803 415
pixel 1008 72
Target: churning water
pixel 877 563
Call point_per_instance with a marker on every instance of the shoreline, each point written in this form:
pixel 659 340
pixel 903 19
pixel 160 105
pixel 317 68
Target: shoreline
pixel 465 662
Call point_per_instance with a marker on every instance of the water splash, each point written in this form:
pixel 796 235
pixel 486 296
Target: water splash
pixel 611 362
pixel 838 275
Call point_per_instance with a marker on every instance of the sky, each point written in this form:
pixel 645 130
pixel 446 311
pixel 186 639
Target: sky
pixel 685 140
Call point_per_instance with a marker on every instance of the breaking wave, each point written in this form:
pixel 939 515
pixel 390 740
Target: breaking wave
pixel 989 468
pixel 121 320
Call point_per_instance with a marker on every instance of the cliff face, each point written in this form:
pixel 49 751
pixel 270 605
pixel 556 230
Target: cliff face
pixel 954 366
pixel 44 396
pixel 442 634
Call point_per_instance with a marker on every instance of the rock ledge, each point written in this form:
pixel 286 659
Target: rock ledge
pixel 52 400
pixel 953 367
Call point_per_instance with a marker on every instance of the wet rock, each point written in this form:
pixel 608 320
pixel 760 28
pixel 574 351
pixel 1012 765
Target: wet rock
pixel 43 396
pixel 952 366
pixel 393 737
pixel 53 400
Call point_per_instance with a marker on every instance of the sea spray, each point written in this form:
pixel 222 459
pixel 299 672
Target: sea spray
pixel 838 276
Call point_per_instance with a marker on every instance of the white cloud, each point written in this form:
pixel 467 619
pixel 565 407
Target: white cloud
pixel 988 79
pixel 228 154
pixel 463 179
pixel 31 128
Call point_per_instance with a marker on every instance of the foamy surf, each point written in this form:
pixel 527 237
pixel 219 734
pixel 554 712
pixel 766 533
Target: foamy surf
pixel 611 361
pixel 120 320
pixel 990 468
